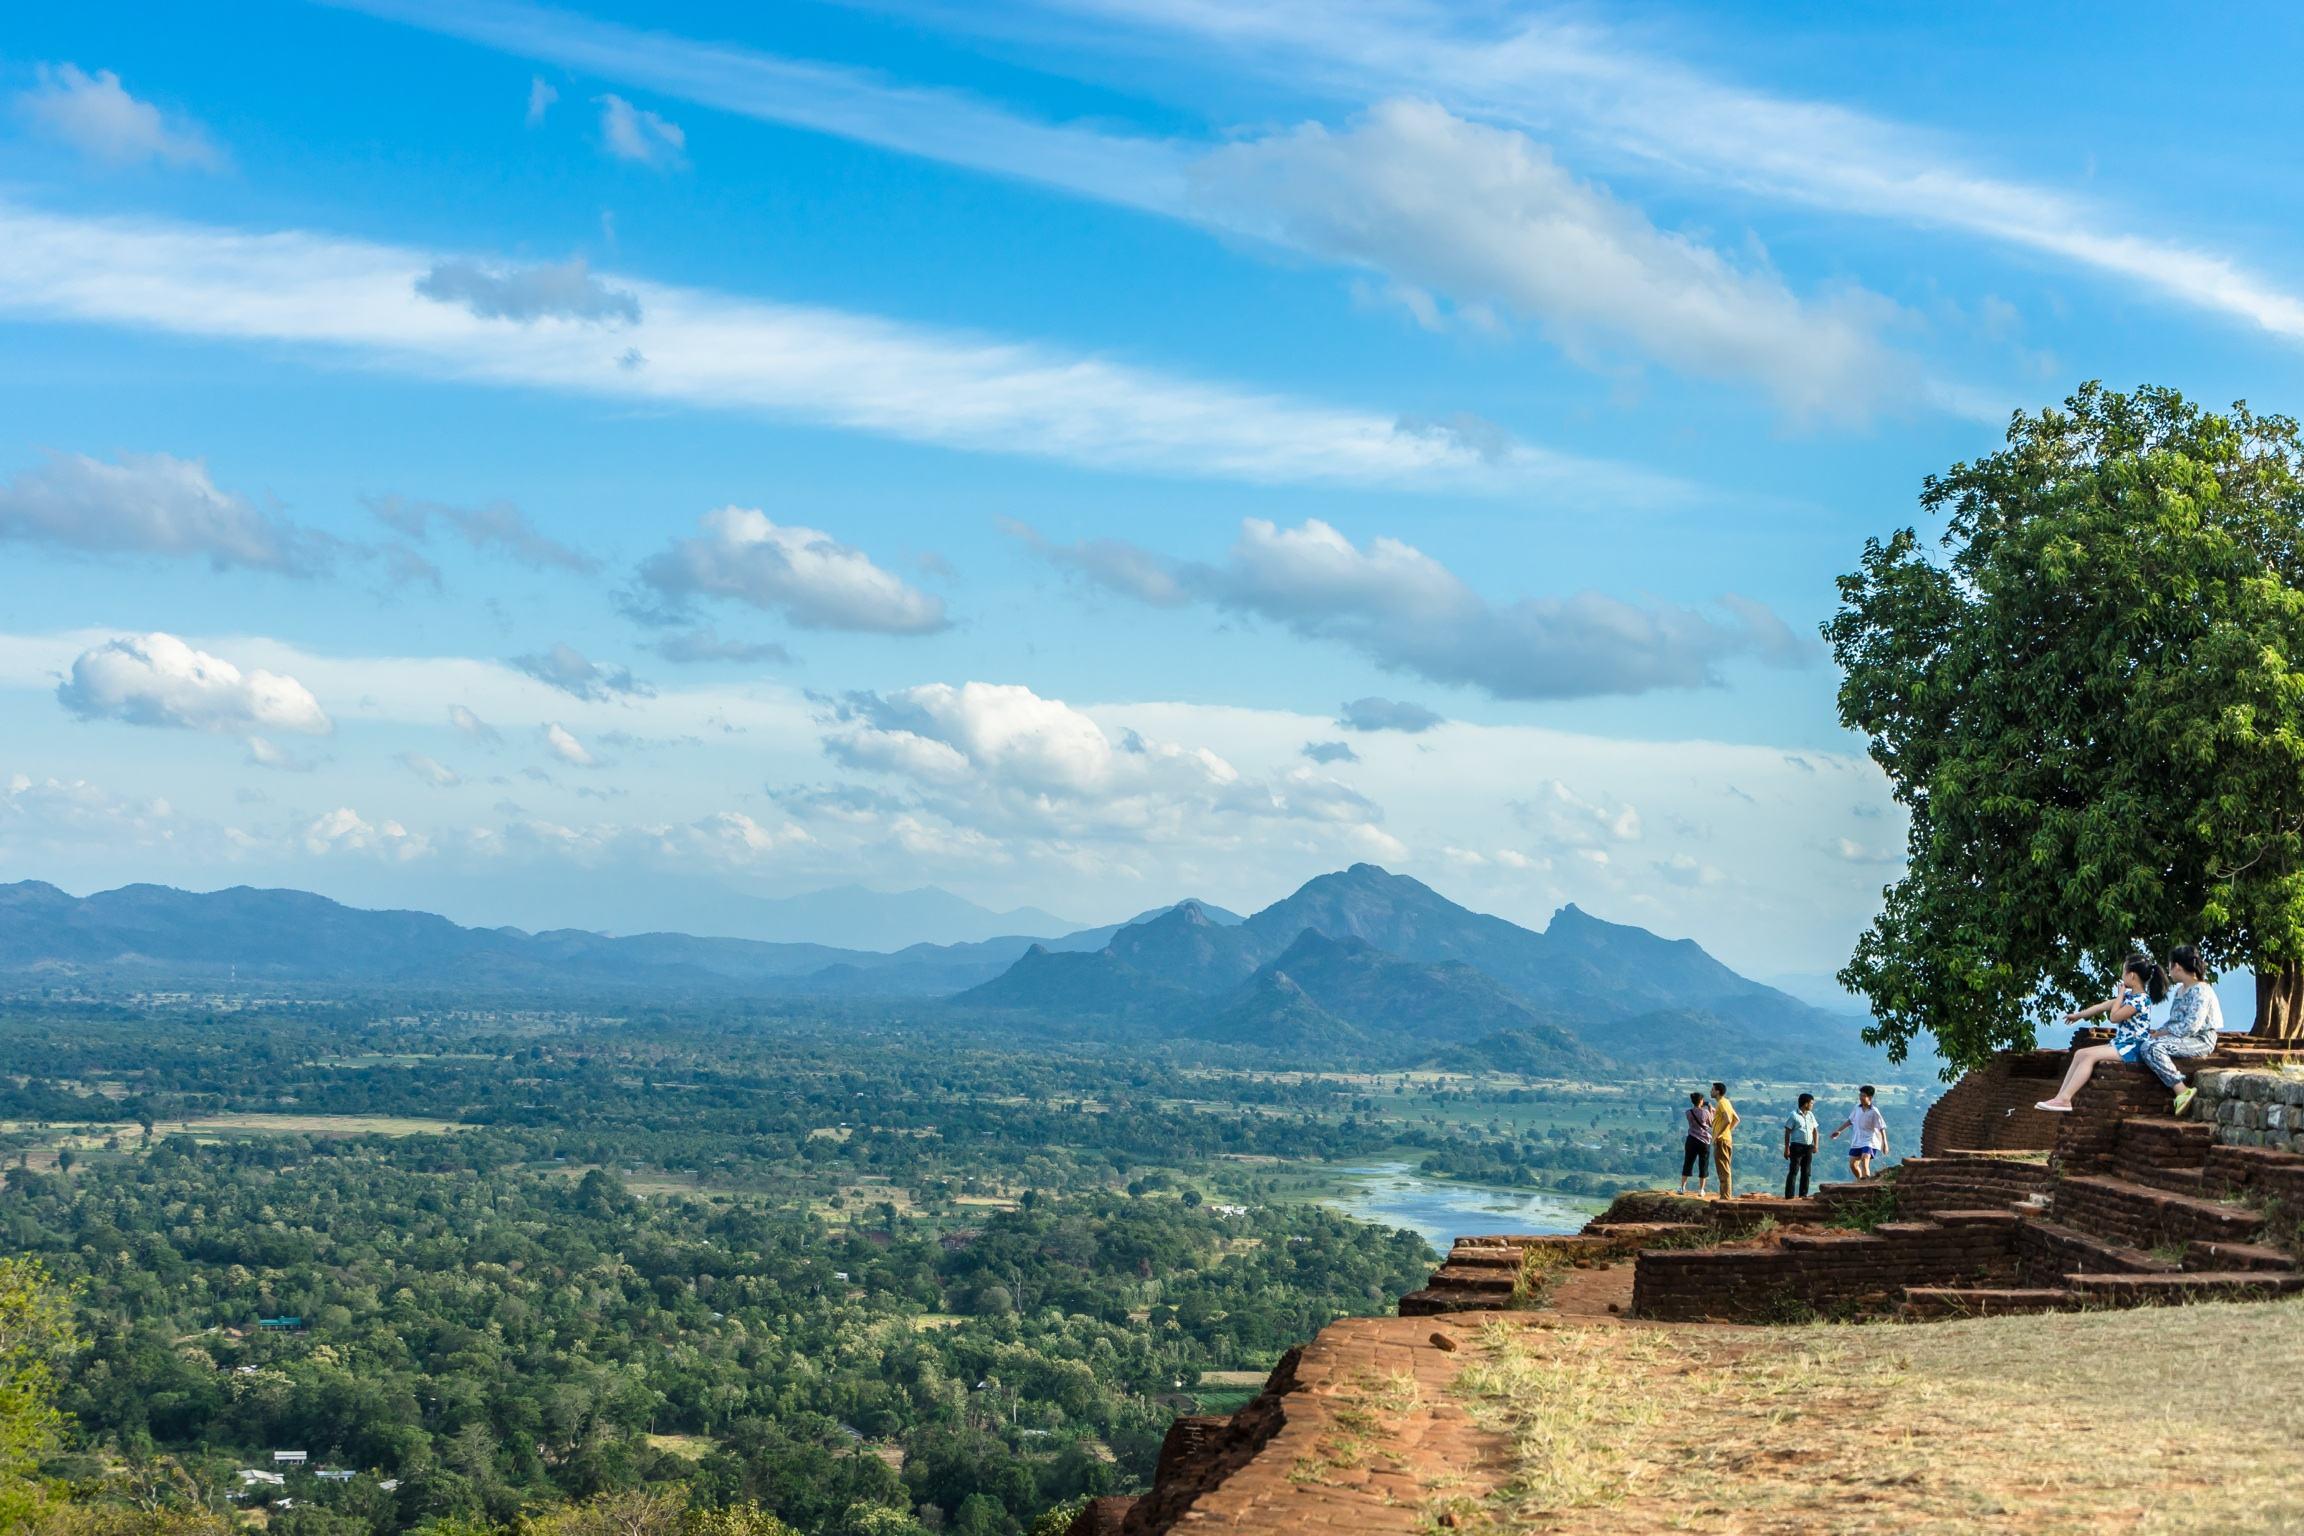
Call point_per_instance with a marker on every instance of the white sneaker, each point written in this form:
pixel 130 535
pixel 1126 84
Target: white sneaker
pixel 2053 1107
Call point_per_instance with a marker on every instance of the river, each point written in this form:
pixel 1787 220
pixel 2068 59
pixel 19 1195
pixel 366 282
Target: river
pixel 1396 1195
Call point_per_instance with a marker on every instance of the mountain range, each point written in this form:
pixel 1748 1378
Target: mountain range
pixel 1361 965
pixel 1392 970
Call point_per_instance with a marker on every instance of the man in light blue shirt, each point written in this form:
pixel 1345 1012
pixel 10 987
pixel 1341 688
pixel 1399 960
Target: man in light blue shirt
pixel 1799 1146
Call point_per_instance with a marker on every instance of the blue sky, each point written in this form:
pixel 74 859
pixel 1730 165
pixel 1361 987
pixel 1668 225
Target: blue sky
pixel 541 464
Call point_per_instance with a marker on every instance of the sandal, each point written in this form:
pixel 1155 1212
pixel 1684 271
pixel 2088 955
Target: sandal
pixel 2053 1107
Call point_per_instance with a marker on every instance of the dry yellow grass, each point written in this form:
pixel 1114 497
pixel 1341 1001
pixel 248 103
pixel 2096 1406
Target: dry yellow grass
pixel 2169 1422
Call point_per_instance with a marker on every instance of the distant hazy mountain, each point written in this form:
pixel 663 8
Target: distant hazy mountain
pixel 1411 975
pixel 1362 964
pixel 153 936
pixel 851 917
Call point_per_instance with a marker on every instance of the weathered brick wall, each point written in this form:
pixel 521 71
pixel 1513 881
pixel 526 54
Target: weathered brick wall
pixel 1807 1273
pixel 1970 1183
pixel 1990 1109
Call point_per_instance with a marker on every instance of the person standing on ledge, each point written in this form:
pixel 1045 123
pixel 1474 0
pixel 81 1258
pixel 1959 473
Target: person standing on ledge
pixel 1799 1146
pixel 1696 1149
pixel 1724 1119
pixel 1871 1138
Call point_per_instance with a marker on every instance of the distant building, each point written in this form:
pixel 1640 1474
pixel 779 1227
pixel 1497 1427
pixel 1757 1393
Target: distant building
pixel 281 1324
pixel 251 1475
pixel 288 1458
pixel 334 1474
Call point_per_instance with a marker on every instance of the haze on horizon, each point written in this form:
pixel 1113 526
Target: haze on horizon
pixel 556 466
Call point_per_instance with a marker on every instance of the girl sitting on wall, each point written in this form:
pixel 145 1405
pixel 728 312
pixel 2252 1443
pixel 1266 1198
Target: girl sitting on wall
pixel 2141 984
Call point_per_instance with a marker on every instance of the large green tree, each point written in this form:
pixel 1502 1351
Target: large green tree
pixel 2091 700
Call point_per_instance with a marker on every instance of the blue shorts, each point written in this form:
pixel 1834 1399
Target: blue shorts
pixel 2131 1050
pixel 1860 1151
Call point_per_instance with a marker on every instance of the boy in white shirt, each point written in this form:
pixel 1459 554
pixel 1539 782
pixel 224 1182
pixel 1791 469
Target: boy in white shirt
pixel 1871 1139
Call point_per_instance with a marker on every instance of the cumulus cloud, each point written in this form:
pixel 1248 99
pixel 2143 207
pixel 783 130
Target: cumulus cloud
pixel 1570 820
pixel 499 526
pixel 566 291
pixel 96 116
pixel 806 575
pixel 997 760
pixel 157 679
pixel 52 812
pixel 152 503
pixel 572 672
pixel 562 744
pixel 431 770
pixel 541 95
pixel 639 135
pixel 1487 216
pixel 1407 612
pixel 346 831
pixel 691 646
pixel 1330 752
pixel 472 726
pixel 265 753
pixel 1374 714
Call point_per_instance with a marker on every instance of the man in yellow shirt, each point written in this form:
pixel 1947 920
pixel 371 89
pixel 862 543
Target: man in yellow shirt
pixel 1724 1140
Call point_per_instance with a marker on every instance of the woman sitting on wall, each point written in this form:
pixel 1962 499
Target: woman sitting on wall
pixel 2141 984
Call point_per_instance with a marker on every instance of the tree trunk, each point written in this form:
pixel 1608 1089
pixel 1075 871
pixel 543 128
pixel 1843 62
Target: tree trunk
pixel 2280 1002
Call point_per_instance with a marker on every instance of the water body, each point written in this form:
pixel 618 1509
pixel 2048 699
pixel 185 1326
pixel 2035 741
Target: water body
pixel 1396 1195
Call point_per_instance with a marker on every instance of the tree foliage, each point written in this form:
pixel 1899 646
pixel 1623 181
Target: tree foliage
pixel 2092 705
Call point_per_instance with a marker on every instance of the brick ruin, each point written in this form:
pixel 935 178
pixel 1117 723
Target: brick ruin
pixel 2006 1209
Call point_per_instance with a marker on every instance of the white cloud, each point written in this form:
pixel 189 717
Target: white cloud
pixel 1330 752
pixel 345 830
pixel 541 95
pixel 1543 73
pixel 96 116
pixel 152 503
pixel 637 134
pixel 546 291
pixel 1405 611
pixel 157 679
pixel 804 574
pixel 431 770
pixel 855 372
pixel 1565 74
pixel 1487 216
pixel 50 812
pixel 499 526
pixel 1374 714
pixel 473 726
pixel 1000 761
pixel 265 753
pixel 692 646
pixel 566 668
pixel 562 744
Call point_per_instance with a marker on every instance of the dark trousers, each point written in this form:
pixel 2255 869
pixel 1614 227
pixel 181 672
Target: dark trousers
pixel 1696 1158
pixel 1796 1170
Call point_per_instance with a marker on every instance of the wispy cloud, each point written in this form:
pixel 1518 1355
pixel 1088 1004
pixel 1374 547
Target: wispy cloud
pixel 1407 612
pixel 1548 74
pixel 1564 74
pixel 639 135
pixel 716 351
pixel 97 116
pixel 808 576
pixel 154 504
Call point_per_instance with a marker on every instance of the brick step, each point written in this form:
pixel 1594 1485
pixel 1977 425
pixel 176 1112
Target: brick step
pixel 2141 1215
pixel 1468 1277
pixel 1930 1301
pixel 2209 1285
pixel 2224 1257
pixel 1433 1301
pixel 1462 1257
pixel 2048 1250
